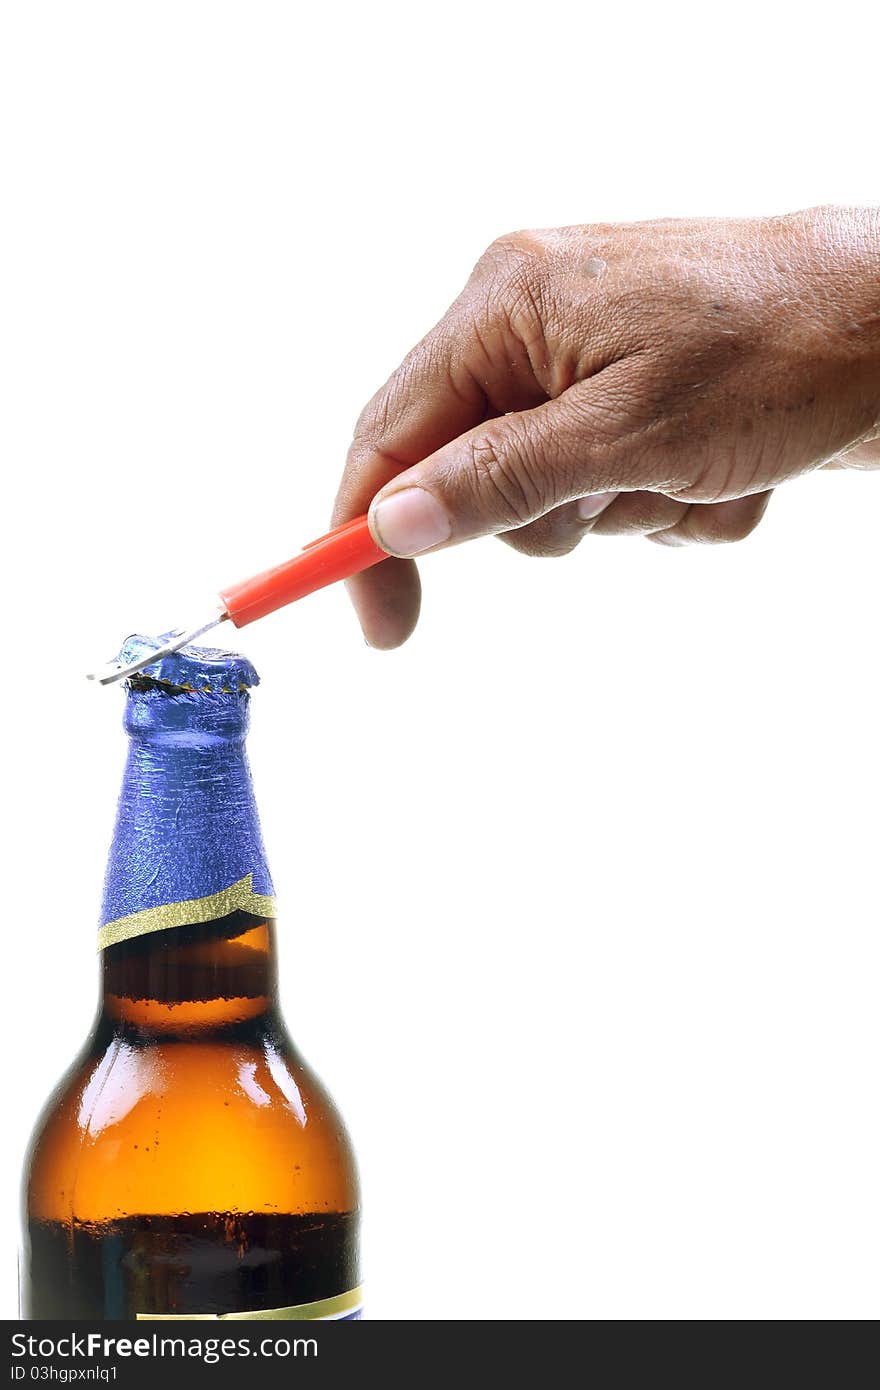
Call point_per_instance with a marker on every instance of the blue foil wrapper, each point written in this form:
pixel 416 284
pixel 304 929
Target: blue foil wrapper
pixel 187 845
pixel 192 668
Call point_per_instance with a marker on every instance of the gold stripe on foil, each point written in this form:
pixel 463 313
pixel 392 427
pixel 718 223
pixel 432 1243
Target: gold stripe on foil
pixel 239 897
pixel 301 1312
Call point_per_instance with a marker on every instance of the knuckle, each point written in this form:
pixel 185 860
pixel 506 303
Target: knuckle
pixel 640 513
pixel 508 250
pixel 373 420
pixel 379 415
pixel 739 531
pixel 540 543
pixel 727 529
pixel 515 275
pixel 505 478
pixel 383 412
pixel 713 534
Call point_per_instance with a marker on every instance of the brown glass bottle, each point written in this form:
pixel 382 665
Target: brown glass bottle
pixel 190 1164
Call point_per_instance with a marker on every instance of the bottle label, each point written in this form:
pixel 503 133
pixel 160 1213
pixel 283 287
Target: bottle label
pixel 344 1307
pixel 238 897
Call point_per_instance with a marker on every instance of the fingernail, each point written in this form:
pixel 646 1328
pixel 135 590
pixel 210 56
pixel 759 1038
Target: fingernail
pixel 410 521
pixel 589 507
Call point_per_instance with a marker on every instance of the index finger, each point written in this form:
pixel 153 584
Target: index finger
pixel 430 399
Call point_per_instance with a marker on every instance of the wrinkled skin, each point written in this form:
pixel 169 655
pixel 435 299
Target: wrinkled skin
pixel 672 372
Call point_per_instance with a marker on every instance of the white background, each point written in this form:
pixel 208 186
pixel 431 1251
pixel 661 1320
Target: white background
pixel 578 888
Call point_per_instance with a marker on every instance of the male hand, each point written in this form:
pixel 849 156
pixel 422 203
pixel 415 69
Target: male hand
pixel 656 379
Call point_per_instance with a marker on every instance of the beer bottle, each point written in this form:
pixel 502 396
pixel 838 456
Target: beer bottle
pixel 190 1164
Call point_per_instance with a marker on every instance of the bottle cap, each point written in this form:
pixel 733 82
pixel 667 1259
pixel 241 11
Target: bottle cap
pixel 205 670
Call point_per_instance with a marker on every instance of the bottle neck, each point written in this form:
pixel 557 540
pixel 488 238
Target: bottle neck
pixel 204 978
pixel 187 930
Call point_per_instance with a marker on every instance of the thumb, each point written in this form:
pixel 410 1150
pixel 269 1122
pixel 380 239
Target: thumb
pixel 500 475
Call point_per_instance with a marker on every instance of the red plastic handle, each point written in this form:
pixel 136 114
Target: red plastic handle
pixel 338 555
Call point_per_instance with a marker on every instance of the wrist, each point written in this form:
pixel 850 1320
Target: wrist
pixel 836 256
